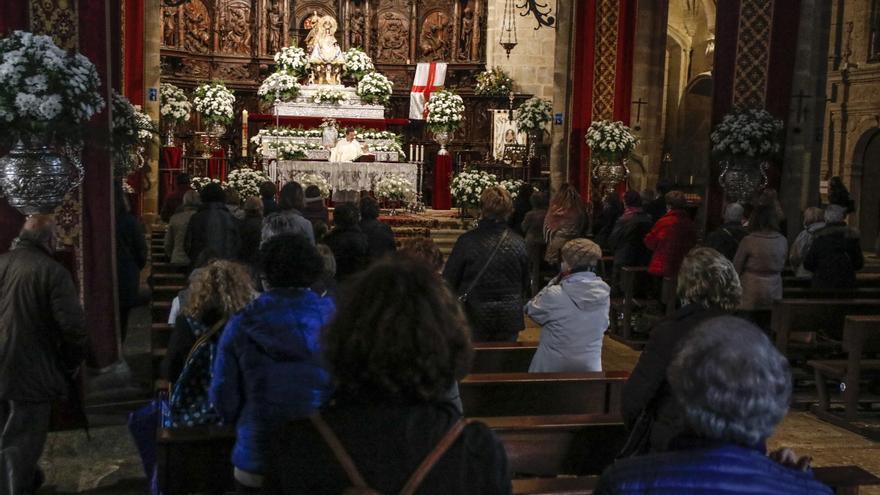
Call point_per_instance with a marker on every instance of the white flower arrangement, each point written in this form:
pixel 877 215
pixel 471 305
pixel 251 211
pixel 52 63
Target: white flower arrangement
pixel 215 103
pixel 468 186
pixel 395 188
pixel 610 141
pixel 281 85
pixel 315 179
pixel 289 151
pixel 331 96
pixel 45 89
pixel 390 146
pixel 445 111
pixel 293 60
pixel 533 114
pixel 363 134
pixel 246 182
pixel 512 186
pixel 174 105
pixel 375 89
pixel 494 82
pixel 747 132
pixel 132 130
pixel 198 183
pixel 357 63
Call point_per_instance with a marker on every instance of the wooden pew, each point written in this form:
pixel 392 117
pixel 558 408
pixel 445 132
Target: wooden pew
pixel 863 279
pixel 503 357
pixel 535 394
pixel 861 335
pixel 622 330
pixel 813 315
pixel 810 293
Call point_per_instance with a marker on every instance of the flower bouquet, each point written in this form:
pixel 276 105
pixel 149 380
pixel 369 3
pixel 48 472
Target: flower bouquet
pixel 357 63
pixel 45 92
pixel 315 179
pixel 198 183
pixel 610 141
pixel 494 82
pixel 174 106
pixel 246 182
pixel 279 85
pixel 747 132
pixel 331 96
pixel 293 60
pixel 512 186
pixel 468 186
pixel 132 130
pixel 395 188
pixel 215 103
pixel 445 111
pixel 533 114
pixel 375 89
pixel 289 151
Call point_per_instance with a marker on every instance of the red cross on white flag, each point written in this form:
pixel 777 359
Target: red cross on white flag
pixel 429 78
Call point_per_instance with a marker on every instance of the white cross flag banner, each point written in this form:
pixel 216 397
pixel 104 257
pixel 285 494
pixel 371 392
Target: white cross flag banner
pixel 429 78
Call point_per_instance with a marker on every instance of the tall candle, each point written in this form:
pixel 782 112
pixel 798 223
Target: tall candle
pixel 410 155
pixel 244 133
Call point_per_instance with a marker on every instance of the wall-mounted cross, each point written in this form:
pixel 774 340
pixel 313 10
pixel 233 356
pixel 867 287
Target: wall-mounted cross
pixel 801 96
pixel 639 104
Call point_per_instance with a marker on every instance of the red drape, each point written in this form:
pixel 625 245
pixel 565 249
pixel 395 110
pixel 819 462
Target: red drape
pixel 13 15
pixel 169 169
pixel 442 176
pixel 217 165
pixel 133 61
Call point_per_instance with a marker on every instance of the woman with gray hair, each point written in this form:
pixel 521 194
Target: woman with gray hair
pixel 708 286
pixel 734 388
pixel 814 220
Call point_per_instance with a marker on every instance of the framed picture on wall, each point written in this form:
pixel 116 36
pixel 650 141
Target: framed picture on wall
pixel 504 132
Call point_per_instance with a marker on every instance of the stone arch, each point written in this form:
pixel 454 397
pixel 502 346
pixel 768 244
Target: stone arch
pixel 866 183
pixel 689 141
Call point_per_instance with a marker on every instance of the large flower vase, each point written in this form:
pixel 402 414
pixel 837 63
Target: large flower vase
pixel 608 174
pixel 443 138
pixel 35 178
pixel 743 178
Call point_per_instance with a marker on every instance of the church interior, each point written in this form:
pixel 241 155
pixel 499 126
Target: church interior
pixel 172 172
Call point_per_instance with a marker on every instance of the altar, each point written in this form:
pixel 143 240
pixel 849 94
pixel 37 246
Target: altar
pixel 343 176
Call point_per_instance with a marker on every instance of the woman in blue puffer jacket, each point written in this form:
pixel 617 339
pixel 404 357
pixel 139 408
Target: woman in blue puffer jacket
pixel 268 368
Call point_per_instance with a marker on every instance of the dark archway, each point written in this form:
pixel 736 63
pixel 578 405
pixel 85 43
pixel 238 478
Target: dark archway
pixel 867 159
pixel 690 139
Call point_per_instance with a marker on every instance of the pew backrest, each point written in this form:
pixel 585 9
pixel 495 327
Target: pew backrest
pixel 819 315
pixel 503 357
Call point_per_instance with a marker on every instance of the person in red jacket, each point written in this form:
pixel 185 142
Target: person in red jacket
pixel 671 237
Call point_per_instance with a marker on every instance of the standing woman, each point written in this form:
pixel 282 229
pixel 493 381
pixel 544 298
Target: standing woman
pixel 759 261
pixel 564 221
pixel 488 269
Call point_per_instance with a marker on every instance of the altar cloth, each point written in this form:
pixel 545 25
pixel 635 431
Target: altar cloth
pixel 343 176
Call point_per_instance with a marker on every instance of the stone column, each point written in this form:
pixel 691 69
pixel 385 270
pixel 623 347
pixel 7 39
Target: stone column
pixel 559 134
pixel 152 73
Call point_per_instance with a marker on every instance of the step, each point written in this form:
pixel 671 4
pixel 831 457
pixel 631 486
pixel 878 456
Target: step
pixel 159 311
pixel 160 334
pixel 169 279
pixel 166 292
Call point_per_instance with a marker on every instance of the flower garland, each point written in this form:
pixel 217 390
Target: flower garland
pixel 747 132
pixel 610 141
pixel 281 85
pixel 375 89
pixel 331 96
pixel 315 179
pixel 293 60
pixel 289 151
pixel 445 111
pixel 246 182
pixel 468 186
pixel 357 63
pixel 198 183
pixel 132 130
pixel 215 103
pixel 533 114
pixel 45 89
pixel 174 105
pixel 395 188
pixel 494 82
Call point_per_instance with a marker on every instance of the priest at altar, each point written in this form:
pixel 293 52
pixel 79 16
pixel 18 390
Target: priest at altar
pixel 348 149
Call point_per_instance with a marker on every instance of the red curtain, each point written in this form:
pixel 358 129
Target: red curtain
pixel 442 173
pixel 133 61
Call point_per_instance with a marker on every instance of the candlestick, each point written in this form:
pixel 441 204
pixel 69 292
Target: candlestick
pixel 244 133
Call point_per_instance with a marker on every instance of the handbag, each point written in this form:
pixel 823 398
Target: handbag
pixel 464 297
pixel 189 404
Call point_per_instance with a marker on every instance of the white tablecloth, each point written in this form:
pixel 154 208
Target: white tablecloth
pixel 344 176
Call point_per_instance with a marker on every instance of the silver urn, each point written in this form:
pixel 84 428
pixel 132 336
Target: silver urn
pixel 442 138
pixel 35 178
pixel 743 178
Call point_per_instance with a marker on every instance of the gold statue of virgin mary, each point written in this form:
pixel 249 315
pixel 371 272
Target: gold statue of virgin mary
pixel 325 56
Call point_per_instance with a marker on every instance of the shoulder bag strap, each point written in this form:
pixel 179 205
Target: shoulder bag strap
pixel 425 467
pixel 476 279
pixel 354 476
pixel 206 336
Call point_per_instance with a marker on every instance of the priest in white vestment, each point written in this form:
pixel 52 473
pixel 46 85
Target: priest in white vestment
pixel 346 150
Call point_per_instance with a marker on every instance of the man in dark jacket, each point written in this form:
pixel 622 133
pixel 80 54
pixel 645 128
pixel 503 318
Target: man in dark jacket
pixel 212 227
pixel 626 236
pixel 836 252
pixel 380 238
pixel 174 199
pixel 348 242
pixel 725 239
pixel 42 344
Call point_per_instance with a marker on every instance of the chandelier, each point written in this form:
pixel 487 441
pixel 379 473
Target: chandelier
pixel 541 12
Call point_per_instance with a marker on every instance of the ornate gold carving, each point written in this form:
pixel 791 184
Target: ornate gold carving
pixel 393 38
pixel 233 72
pixel 435 41
pixel 235 27
pixel 170 23
pixel 466 33
pixel 357 27
pixel 274 26
pixel 197 27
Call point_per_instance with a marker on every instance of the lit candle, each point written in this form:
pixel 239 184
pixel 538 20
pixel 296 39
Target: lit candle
pixel 410 155
pixel 692 180
pixel 244 133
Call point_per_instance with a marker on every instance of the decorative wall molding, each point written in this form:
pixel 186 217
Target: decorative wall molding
pixel 753 53
pixel 605 59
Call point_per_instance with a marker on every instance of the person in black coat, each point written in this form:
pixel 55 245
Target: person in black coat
pixel 521 206
pixel 726 238
pixel 348 242
pixel 267 193
pixel 493 301
pixel 251 229
pixel 626 236
pixel 131 257
pixel 213 227
pixel 612 209
pixel 657 207
pixel 839 195
pixel 836 252
pixel 708 286
pixel 380 238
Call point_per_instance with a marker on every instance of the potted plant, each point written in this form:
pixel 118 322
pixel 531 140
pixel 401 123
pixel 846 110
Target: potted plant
pixel 468 186
pixel 445 115
pixel 531 117
pixel 745 141
pixel 611 144
pixel 133 130
pixel 174 109
pixel 375 89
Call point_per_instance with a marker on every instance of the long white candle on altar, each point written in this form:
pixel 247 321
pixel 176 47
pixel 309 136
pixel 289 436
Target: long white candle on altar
pixel 244 133
pixel 410 155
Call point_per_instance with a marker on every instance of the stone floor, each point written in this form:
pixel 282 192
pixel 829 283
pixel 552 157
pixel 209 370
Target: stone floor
pixel 108 463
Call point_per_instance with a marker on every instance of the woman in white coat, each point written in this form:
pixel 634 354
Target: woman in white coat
pixel 573 313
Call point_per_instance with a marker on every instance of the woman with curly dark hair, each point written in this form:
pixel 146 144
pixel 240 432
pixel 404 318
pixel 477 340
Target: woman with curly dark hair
pixel 398 344
pixel 268 369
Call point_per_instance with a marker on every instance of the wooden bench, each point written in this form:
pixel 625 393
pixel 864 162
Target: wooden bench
pixel 166 292
pixel 503 357
pixel 805 318
pixel 537 394
pixel 861 335
pixel 621 328
pixel 810 293
pixel 863 279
